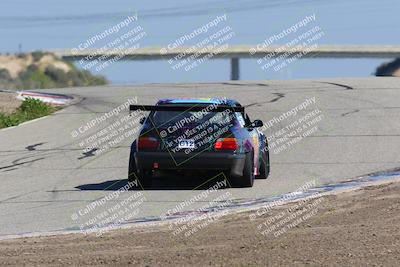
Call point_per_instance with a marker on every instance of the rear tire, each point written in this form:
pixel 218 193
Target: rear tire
pixel 247 179
pixel 143 178
pixel 264 165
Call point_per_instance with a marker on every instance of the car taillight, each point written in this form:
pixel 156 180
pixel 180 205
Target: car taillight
pixel 147 143
pixel 226 144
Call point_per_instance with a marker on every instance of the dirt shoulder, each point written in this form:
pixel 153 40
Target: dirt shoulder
pixel 8 102
pixel 359 228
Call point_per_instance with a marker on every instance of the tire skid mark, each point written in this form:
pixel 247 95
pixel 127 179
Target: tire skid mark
pixel 17 163
pixel 33 147
pixel 278 96
pixel 340 85
pixel 259 104
pixel 350 112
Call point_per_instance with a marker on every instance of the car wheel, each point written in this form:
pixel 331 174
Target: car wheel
pixel 264 165
pixel 143 178
pixel 247 179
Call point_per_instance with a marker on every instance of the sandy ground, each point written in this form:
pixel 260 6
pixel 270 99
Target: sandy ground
pixel 359 228
pixel 8 102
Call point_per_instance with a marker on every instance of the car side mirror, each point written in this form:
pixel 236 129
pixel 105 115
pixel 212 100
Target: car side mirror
pixel 257 123
pixel 142 120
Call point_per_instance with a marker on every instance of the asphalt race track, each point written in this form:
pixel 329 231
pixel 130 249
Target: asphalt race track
pixel 46 178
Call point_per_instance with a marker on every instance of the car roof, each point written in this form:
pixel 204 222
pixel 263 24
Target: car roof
pixel 229 102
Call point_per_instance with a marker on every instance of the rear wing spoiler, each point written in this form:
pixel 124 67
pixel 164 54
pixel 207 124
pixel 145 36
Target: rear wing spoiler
pixel 195 107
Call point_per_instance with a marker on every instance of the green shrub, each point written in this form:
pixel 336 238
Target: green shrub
pixel 8 120
pixel 88 79
pixel 75 79
pixel 58 76
pixel 34 108
pixel 5 75
pixel 34 78
pixel 29 109
pixel 40 80
pixel 37 55
pixel 30 70
pixel 21 55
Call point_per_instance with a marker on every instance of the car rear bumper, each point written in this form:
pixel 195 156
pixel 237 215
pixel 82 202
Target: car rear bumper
pixel 223 161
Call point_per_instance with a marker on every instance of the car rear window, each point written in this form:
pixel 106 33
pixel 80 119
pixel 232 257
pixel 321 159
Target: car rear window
pixel 187 118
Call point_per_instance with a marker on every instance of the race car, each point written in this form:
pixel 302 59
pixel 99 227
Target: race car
pixel 198 135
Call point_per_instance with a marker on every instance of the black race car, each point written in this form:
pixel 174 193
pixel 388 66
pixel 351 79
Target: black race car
pixel 199 135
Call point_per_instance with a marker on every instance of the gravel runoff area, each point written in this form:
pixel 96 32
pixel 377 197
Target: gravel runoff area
pixel 8 102
pixel 357 228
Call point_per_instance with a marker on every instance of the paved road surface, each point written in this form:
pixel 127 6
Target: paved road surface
pixel 46 178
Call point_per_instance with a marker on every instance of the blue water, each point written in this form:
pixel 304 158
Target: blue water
pixel 28 25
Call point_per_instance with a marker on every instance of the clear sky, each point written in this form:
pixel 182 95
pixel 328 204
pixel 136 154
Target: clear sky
pixel 49 24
